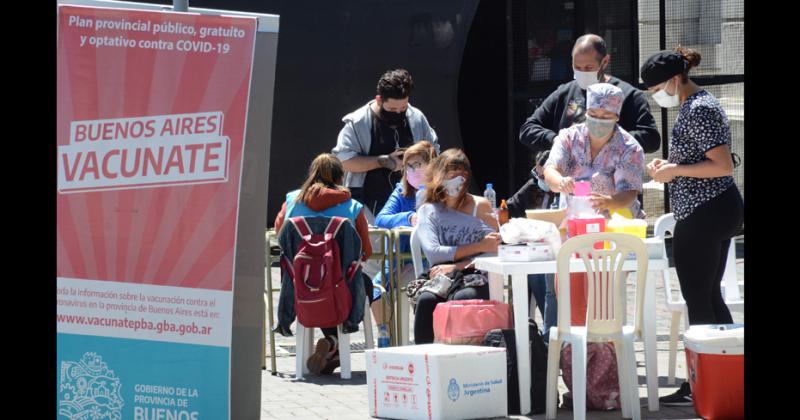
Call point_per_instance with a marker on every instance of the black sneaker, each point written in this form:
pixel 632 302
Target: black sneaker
pixel 681 397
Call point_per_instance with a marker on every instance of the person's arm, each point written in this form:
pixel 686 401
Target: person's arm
pixel 557 164
pixel 538 132
pixel 438 253
pixel 430 133
pixel 485 212
pixel 434 251
pixel 463 254
pixel 391 215
pixel 619 200
pixel 349 152
pixel 642 125
pixel 367 163
pixel 719 164
pixel 279 218
pixel 628 175
pixel 362 227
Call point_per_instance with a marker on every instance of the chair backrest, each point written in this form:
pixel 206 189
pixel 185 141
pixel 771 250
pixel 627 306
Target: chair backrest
pixel 416 254
pixel 666 225
pixel 606 280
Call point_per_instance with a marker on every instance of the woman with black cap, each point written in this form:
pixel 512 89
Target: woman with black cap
pixel 707 205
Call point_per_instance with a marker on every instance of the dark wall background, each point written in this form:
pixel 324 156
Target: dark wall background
pixel 331 54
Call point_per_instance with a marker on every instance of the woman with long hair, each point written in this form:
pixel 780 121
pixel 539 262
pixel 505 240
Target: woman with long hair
pixel 401 211
pixel 453 227
pixel 322 194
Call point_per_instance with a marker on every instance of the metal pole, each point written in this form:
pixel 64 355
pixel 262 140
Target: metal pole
pixel 180 5
pixel 662 44
pixel 512 131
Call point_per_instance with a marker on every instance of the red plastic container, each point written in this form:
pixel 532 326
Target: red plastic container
pixel 583 225
pixel 715 357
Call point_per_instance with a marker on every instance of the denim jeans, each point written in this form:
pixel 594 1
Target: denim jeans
pixel 542 287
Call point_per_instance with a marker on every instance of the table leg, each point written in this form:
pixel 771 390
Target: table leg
pixel 270 310
pixel 519 286
pixel 387 306
pixel 496 287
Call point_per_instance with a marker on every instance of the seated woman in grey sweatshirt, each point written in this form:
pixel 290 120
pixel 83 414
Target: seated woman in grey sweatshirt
pixel 453 227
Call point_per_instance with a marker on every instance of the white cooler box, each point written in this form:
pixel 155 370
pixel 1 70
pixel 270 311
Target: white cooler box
pixel 437 381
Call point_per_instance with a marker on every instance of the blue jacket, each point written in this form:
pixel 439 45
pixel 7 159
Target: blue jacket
pixel 349 209
pixel 396 213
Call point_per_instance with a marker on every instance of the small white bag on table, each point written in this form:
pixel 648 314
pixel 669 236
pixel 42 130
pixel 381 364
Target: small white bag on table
pixel 529 240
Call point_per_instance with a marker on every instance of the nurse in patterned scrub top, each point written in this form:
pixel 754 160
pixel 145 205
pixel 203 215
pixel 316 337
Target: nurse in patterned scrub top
pixel 599 151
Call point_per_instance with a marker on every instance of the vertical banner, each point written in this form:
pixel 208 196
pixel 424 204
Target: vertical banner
pixel 151 118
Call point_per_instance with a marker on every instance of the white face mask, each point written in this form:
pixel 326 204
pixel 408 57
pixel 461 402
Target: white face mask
pixel 453 186
pixel 664 99
pixel 586 78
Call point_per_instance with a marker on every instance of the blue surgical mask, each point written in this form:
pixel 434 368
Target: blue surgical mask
pixel 540 180
pixel 598 127
pixel 543 185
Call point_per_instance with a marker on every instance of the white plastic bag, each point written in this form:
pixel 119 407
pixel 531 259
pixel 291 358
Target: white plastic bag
pixel 519 231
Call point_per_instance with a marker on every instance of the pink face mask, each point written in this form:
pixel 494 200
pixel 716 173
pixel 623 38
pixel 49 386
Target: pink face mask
pixel 415 177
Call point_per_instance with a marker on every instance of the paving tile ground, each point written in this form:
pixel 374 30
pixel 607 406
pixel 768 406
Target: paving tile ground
pixel 329 397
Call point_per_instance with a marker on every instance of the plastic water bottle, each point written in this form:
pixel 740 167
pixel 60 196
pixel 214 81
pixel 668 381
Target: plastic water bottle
pixel 383 336
pixel 491 196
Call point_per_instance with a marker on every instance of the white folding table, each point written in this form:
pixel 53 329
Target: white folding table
pixel 519 274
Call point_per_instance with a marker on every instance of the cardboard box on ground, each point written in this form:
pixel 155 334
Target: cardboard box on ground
pixel 437 381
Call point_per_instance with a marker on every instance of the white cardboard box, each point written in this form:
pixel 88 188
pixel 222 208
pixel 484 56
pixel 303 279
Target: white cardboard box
pixel 526 252
pixel 437 381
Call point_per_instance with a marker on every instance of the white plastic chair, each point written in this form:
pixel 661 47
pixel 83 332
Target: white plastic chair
pixel 604 317
pixel 677 306
pixel 304 345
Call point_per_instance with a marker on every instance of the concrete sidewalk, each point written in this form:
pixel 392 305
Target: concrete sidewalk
pixel 329 397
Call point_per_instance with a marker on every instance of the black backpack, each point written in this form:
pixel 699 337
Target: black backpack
pixel 505 338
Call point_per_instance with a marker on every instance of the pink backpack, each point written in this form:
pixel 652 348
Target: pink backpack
pixel 321 292
pixel 602 377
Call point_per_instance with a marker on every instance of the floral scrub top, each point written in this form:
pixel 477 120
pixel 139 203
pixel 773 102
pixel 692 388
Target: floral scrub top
pixel 618 167
pixel 701 126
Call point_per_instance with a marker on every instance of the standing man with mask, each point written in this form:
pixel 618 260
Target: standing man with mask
pixel 370 143
pixel 566 107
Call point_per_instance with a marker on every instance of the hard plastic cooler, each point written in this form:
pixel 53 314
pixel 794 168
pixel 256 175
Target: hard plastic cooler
pixel 715 357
